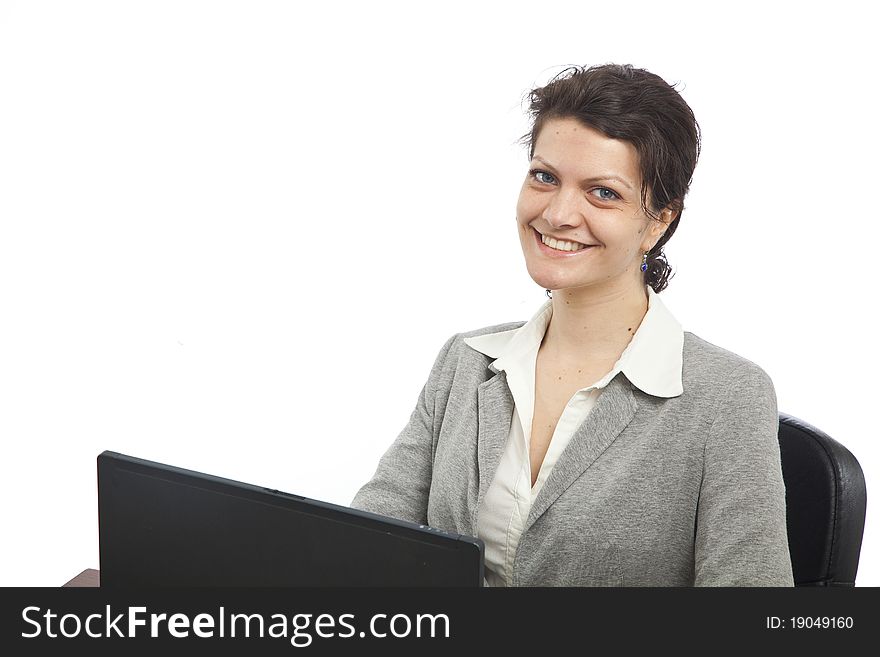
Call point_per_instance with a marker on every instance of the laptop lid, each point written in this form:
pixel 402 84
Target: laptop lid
pixel 160 525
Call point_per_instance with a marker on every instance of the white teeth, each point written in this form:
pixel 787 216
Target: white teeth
pixel 559 245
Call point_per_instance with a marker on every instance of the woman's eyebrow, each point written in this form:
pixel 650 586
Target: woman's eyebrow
pixel 586 180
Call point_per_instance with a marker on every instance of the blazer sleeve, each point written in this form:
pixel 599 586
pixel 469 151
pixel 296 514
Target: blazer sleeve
pixel 399 488
pixel 741 535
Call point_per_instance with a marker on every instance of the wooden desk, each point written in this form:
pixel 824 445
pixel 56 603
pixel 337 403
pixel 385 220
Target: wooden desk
pixel 87 578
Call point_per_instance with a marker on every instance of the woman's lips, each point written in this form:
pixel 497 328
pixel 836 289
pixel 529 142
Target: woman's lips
pixel 555 253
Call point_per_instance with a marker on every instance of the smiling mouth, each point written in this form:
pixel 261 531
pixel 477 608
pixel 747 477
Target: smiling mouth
pixel 563 246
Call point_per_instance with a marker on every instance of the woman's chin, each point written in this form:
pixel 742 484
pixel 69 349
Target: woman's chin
pixel 551 282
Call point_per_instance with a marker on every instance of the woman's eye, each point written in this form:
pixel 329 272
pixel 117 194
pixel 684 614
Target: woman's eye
pixel 604 194
pixel 610 196
pixel 537 173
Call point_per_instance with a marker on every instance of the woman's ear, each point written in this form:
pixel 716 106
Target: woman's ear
pixel 660 225
pixel 669 213
pixel 664 218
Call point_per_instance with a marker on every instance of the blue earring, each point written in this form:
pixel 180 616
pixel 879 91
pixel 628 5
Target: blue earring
pixel 645 262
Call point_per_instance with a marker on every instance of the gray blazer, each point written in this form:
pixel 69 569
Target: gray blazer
pixel 651 491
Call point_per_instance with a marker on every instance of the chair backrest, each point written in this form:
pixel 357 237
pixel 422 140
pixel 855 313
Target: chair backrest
pixel 825 499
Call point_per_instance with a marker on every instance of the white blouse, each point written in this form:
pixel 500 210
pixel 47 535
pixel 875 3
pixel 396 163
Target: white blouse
pixel 652 361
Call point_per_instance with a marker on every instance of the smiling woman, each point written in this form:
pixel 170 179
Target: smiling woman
pixel 598 443
pixel 567 202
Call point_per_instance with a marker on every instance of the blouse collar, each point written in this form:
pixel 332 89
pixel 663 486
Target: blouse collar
pixel 652 360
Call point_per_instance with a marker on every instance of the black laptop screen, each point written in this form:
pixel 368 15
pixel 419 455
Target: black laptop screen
pixel 165 526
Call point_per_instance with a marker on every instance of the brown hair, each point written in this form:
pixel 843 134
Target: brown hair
pixel 639 107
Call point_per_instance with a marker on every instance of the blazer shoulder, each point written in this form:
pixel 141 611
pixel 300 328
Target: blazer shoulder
pixel 704 361
pixel 495 328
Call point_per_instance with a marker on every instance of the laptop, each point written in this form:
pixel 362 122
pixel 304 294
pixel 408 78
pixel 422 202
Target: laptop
pixel 160 525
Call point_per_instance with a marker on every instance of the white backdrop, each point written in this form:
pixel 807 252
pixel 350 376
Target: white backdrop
pixel 234 235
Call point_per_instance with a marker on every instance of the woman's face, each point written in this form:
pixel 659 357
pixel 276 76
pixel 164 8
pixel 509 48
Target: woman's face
pixel 584 187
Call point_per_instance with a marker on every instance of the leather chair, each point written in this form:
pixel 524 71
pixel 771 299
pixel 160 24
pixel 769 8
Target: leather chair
pixel 825 499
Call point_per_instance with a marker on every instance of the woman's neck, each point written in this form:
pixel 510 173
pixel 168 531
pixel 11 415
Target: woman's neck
pixel 588 324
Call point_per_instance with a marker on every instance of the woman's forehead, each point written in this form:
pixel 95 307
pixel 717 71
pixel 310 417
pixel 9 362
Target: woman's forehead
pixel 579 150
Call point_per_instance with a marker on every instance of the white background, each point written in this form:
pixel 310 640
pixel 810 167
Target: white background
pixel 234 235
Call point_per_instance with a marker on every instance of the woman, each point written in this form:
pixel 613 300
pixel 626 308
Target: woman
pixel 598 444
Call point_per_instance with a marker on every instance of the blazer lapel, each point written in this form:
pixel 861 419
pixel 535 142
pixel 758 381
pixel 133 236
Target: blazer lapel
pixel 495 410
pixel 613 411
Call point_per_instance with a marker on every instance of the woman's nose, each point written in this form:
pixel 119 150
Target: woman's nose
pixel 563 208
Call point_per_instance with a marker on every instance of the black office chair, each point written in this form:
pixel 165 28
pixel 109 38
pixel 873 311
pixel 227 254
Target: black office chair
pixel 825 498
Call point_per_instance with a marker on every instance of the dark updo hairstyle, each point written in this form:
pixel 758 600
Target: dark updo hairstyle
pixel 639 107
